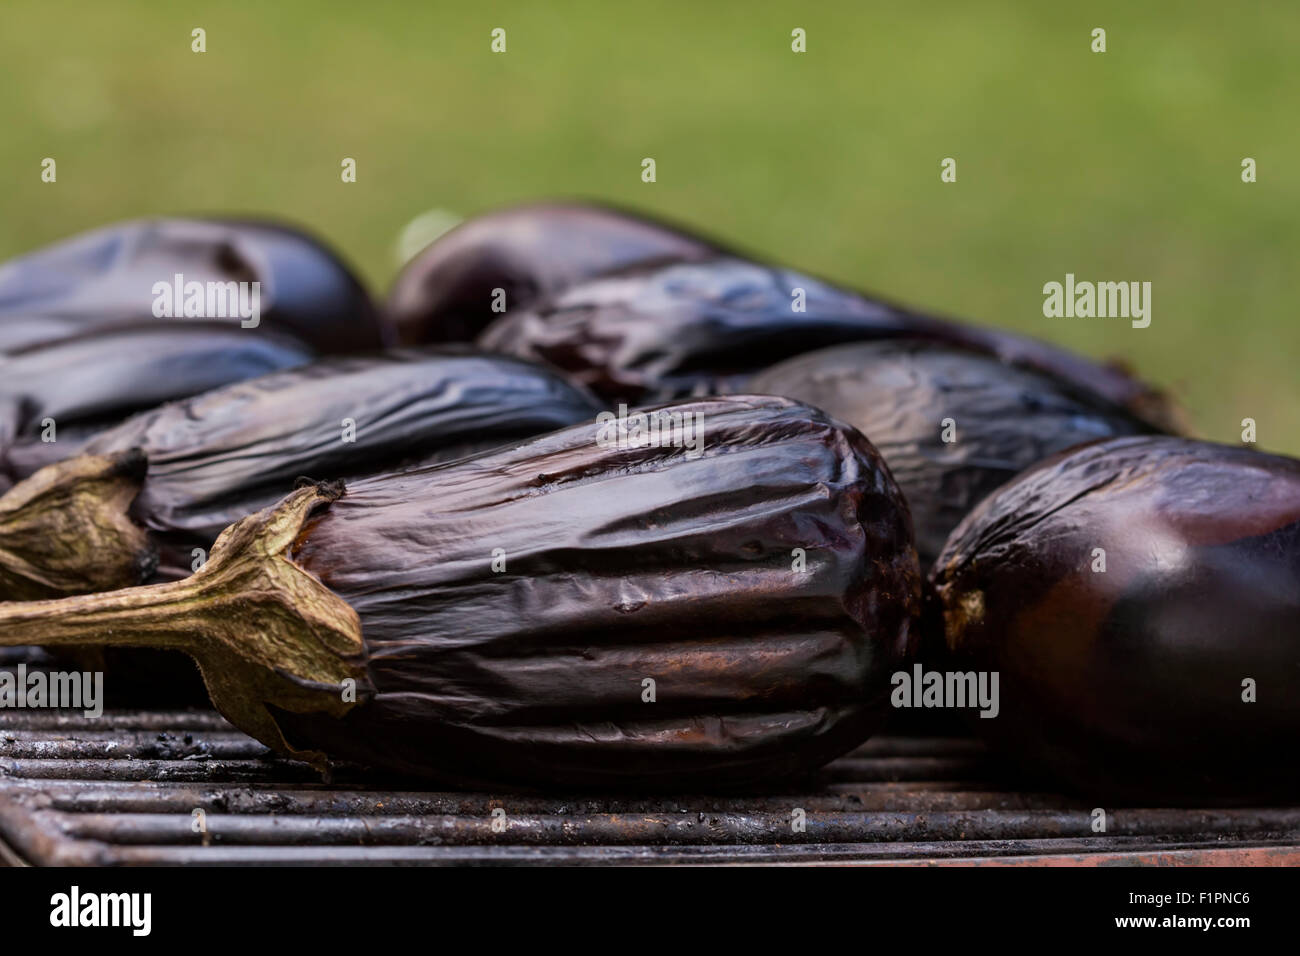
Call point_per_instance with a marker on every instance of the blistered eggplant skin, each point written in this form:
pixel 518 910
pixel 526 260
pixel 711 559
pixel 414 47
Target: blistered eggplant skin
pixel 1111 380
pixel 1132 682
pixel 952 424
pixel 219 456
pixel 660 331
pixel 446 293
pixel 623 566
pixel 93 381
pixel 666 331
pixel 106 278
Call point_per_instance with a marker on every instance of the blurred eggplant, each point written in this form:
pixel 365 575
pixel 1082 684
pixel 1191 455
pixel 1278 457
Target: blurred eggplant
pixel 220 456
pixel 107 277
pixel 54 397
pixel 952 424
pixel 446 293
pixel 579 610
pixel 657 331
pixel 1140 599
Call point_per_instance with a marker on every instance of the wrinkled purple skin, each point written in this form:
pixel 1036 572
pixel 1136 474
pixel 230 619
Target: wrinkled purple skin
pixel 93 381
pixel 642 310
pixel 1127 684
pixel 657 331
pixel 220 456
pixel 623 565
pixel 445 293
pixel 105 278
pixel 900 392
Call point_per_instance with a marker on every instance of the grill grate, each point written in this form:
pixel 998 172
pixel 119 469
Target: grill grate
pixel 122 789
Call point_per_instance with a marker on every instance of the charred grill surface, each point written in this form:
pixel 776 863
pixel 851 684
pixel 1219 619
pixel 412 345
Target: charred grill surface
pixel 123 789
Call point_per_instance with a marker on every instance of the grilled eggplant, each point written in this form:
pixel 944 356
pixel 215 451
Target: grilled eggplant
pixel 222 455
pixel 447 292
pixel 657 331
pixel 54 397
pixel 953 424
pixel 107 277
pixel 579 610
pixel 1140 599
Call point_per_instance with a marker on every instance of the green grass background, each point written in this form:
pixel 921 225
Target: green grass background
pixel 1115 166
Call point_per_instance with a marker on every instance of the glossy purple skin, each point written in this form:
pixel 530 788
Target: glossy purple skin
pixel 91 382
pixel 1127 684
pixel 900 392
pixel 661 330
pixel 105 278
pixel 445 293
pixel 224 454
pixel 624 564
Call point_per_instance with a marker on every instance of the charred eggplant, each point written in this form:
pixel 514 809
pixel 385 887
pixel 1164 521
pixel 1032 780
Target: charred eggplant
pixel 112 276
pixel 1140 598
pixel 579 610
pixel 222 455
pixel 447 292
pixel 54 397
pixel 657 331
pixel 952 424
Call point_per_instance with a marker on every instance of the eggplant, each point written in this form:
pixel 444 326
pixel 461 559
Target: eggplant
pixel 657 331
pixel 446 293
pixel 93 381
pixel 953 424
pixel 583 609
pixel 219 456
pixel 106 278
pixel 1140 599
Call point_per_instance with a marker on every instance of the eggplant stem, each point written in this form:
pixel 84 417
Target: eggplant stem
pixel 263 630
pixel 67 529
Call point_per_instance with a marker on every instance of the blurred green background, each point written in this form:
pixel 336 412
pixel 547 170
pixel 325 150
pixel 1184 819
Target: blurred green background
pixel 1117 166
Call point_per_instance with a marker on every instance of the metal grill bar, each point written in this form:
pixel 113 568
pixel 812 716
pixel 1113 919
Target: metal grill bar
pixel 122 789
